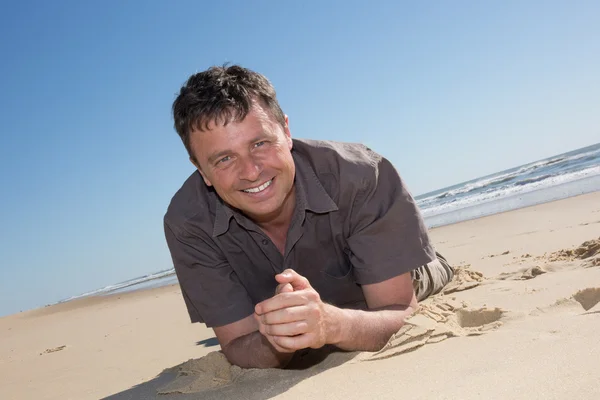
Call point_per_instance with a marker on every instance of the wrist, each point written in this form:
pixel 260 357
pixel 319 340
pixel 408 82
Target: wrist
pixel 336 326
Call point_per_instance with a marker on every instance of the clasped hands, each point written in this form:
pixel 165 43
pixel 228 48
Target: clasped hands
pixel 295 317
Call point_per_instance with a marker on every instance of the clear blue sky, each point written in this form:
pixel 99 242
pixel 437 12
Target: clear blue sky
pixel 89 160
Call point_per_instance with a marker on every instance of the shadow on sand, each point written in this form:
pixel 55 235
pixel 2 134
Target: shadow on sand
pixel 213 341
pixel 251 384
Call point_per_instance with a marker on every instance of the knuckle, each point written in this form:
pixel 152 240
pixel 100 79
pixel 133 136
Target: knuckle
pixel 303 326
pixel 313 295
pixel 315 312
pixel 284 297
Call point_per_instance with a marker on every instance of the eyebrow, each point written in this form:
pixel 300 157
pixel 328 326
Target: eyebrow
pixel 222 153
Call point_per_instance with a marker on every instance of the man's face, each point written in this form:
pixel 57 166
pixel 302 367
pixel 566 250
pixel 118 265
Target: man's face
pixel 249 163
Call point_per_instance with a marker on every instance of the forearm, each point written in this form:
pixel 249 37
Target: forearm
pixel 358 330
pixel 254 351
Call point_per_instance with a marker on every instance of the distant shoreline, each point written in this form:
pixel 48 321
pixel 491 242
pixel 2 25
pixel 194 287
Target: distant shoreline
pixel 170 280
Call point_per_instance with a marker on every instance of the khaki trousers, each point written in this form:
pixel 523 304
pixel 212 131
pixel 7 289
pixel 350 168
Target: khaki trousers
pixel 431 278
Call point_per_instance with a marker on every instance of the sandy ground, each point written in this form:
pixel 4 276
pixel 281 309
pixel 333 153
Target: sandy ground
pixel 521 320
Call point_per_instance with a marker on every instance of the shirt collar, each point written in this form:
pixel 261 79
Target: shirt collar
pixel 310 196
pixel 310 193
pixel 223 214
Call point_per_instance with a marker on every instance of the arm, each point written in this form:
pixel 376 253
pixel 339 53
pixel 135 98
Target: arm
pixel 386 238
pixel 389 302
pixel 245 346
pixel 299 319
pixel 214 295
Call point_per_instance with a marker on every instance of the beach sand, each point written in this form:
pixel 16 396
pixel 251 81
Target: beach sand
pixel 521 320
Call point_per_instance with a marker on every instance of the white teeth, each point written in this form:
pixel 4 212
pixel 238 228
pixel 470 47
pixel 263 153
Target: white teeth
pixel 260 188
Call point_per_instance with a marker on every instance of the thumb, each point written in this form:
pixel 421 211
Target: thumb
pixel 297 281
pixel 284 288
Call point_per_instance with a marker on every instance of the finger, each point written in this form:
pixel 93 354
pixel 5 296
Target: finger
pixel 290 276
pixel 284 288
pixel 285 300
pixel 290 329
pixel 278 347
pixel 298 342
pixel 286 315
pixel 271 340
pixel 273 343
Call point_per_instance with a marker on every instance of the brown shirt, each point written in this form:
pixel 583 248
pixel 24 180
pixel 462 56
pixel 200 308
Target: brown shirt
pixel 355 223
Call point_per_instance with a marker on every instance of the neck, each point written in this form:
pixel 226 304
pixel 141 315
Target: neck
pixel 280 219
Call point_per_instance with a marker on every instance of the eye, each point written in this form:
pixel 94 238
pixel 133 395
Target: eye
pixel 260 143
pixel 224 160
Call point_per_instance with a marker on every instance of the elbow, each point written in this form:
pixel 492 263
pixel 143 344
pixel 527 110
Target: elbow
pixel 244 358
pixel 235 358
pixel 380 345
pixel 278 360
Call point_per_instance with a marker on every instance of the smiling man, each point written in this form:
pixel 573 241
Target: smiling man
pixel 282 244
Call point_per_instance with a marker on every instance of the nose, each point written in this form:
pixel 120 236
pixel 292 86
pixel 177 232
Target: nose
pixel 249 169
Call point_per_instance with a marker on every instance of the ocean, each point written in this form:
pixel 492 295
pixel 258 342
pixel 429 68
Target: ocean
pixel 553 178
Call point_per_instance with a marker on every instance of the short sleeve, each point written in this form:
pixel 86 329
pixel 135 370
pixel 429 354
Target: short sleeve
pixel 388 236
pixel 211 289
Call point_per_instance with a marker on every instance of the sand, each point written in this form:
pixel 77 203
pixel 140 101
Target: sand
pixel 520 320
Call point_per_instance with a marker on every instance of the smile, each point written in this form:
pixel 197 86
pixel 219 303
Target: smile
pixel 259 188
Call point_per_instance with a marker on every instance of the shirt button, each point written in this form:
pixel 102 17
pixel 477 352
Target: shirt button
pixel 265 242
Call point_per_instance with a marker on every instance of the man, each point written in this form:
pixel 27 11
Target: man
pixel 282 244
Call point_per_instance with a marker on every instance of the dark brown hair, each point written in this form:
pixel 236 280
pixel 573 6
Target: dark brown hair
pixel 221 95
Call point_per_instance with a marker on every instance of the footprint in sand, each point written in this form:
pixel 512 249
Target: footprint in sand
pixel 437 319
pixel 587 299
pixel 592 262
pixel 53 350
pixel 588 252
pixel 478 318
pixel 589 223
pixel 584 251
pixel 497 255
pixel 523 274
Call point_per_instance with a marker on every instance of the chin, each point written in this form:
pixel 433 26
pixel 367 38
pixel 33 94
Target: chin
pixel 264 210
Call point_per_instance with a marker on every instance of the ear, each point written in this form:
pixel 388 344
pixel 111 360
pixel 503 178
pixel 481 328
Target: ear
pixel 206 180
pixel 288 134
